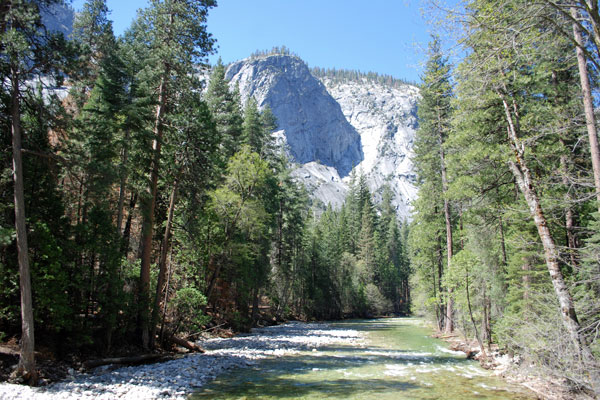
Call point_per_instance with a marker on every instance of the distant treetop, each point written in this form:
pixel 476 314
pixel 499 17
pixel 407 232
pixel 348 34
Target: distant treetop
pixel 337 75
pixel 348 75
pixel 281 51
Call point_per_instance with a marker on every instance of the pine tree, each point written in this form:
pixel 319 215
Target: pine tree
pixel 175 38
pixel 92 31
pixel 27 50
pixel 253 133
pixel 226 110
pixel 191 153
pixel 434 115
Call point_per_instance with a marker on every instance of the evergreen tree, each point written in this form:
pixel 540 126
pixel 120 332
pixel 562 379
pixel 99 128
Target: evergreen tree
pixel 92 31
pixel 28 53
pixel 175 39
pixel 253 133
pixel 434 128
pixel 225 106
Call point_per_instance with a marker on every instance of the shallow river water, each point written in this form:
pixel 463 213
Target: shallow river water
pixel 398 360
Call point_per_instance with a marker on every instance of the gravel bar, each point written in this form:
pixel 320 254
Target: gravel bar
pixel 176 379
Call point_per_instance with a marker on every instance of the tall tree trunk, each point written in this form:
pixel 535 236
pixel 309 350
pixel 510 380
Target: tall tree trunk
pixel 522 174
pixel 460 227
pixel 502 241
pixel 569 213
pixel 588 105
pixel 438 317
pixel 162 263
pixel 26 366
pixel 123 181
pixel 164 305
pixel 477 335
pixel 564 172
pixel 148 220
pixel 407 296
pixel 484 331
pixel 486 325
pixel 449 327
pixel 440 271
pixel 216 263
pixel 127 229
pixel 229 231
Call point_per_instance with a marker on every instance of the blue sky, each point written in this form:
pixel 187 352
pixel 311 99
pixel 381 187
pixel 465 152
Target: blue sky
pixel 384 36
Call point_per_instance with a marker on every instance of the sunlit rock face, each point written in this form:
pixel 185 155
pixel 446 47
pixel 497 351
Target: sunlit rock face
pixel 315 127
pixel 332 126
pixel 385 116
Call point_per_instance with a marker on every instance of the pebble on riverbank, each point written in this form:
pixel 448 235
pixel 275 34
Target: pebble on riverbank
pixel 510 368
pixel 176 379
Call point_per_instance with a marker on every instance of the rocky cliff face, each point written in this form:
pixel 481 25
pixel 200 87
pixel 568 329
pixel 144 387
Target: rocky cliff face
pixel 386 119
pixel 332 126
pixel 315 127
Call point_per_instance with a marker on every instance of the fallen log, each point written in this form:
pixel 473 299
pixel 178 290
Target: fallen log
pixel 187 344
pixel 132 360
pixel 7 351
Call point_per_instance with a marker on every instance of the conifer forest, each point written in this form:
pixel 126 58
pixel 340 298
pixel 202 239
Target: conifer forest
pixel 144 201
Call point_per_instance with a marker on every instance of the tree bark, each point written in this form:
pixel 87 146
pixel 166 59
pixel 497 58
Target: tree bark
pixel 26 366
pixel 477 336
pixel 449 326
pixel 526 281
pixel 588 105
pixel 502 241
pixel 164 305
pixel 569 213
pixel 127 229
pixel 255 305
pixel 162 263
pixel 229 230
pixel 187 344
pixel 522 174
pixel 213 278
pixel 438 317
pixel 123 181
pixel 148 220
pixel 488 321
pixel 440 265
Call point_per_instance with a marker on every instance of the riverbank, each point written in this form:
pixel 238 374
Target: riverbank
pixel 512 369
pixel 176 379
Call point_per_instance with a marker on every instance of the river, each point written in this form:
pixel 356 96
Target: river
pixel 398 360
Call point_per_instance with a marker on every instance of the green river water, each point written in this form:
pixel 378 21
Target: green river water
pixel 399 360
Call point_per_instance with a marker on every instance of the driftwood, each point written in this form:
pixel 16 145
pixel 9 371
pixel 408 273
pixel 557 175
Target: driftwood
pixel 143 358
pixel 205 330
pixel 7 351
pixel 187 344
pixel 133 360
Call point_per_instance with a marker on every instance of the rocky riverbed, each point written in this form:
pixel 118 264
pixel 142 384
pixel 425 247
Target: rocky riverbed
pixel 178 378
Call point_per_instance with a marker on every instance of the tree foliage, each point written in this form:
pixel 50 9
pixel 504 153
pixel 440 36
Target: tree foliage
pixel 520 181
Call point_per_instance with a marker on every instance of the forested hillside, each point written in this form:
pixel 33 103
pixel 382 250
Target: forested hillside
pixel 504 242
pixel 142 205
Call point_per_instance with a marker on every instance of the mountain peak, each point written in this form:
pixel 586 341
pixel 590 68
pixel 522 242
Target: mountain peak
pixel 315 127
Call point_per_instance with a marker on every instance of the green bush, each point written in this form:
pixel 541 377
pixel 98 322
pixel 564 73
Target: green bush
pixel 187 304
